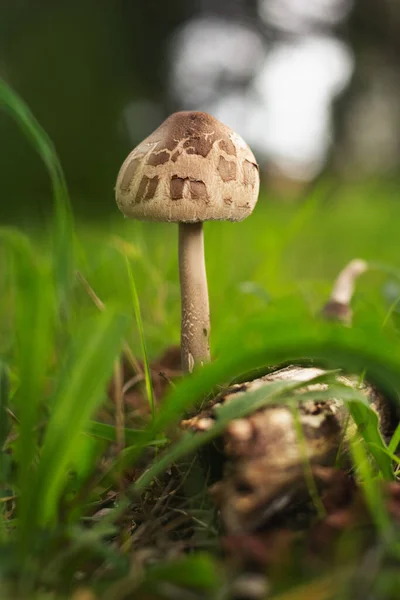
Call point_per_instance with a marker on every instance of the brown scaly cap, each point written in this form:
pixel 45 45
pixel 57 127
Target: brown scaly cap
pixel 192 168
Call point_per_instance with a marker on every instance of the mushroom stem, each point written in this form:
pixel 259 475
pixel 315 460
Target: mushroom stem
pixel 195 312
pixel 343 288
pixel 338 306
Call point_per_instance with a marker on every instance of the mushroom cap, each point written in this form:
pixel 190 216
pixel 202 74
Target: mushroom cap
pixel 192 168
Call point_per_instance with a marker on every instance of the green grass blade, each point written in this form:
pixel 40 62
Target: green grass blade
pixel 104 431
pixel 4 400
pixel 393 457
pixel 368 426
pixel 4 431
pixel 139 321
pixel 34 340
pixel 395 441
pixel 80 392
pixel 63 222
pixel 371 488
pixel 81 387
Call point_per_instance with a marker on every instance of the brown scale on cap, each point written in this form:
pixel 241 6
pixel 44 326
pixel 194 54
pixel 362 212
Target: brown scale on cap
pixel 197 189
pixel 147 188
pixel 129 173
pixel 228 147
pixel 158 158
pixel 176 186
pixel 227 169
pixel 186 170
pixel 249 175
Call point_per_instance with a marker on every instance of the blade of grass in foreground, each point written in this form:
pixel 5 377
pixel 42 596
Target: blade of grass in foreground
pixel 63 222
pixel 4 430
pixel 133 437
pixel 80 391
pixel 372 491
pixel 4 419
pixel 88 367
pixel 34 341
pixel 395 441
pixel 123 248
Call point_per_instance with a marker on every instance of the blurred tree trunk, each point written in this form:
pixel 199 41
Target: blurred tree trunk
pixel 367 116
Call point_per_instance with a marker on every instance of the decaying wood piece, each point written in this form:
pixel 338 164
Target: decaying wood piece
pixel 264 471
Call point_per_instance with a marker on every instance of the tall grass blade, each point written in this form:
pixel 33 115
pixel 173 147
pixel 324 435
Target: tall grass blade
pixel 80 391
pixel 104 431
pixel 395 441
pixel 63 223
pixel 4 399
pixel 88 366
pixel 139 321
pixel 372 491
pixel 34 340
pixel 4 431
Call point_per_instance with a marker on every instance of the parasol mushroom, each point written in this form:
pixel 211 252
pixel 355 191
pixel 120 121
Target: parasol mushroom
pixel 190 170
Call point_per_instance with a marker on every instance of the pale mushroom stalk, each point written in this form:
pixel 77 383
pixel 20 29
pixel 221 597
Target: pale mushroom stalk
pixel 195 311
pixel 338 306
pixel 343 288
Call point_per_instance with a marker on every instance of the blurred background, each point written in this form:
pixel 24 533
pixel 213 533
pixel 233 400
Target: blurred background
pixel 312 85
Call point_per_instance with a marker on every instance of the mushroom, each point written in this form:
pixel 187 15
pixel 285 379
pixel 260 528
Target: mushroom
pixel 189 170
pixel 338 306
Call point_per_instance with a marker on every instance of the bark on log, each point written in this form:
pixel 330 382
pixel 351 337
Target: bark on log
pixel 264 472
